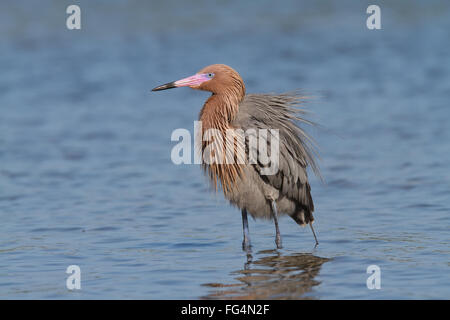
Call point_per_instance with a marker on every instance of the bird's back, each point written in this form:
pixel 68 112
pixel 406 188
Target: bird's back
pixel 290 182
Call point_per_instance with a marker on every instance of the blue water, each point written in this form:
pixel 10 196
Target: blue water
pixel 85 171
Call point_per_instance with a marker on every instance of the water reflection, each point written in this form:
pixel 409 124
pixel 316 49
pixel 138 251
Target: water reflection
pixel 272 276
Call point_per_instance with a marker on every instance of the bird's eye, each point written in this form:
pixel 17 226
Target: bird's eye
pixel 210 75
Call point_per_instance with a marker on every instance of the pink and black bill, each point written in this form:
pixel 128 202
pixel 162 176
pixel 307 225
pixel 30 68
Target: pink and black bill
pixel 192 81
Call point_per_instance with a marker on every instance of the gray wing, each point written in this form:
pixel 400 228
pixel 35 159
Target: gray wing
pixel 267 111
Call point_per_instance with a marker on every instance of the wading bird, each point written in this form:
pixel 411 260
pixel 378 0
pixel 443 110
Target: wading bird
pixel 286 191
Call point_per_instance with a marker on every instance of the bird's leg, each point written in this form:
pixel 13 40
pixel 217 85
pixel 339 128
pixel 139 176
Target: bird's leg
pixel 246 241
pixel 249 260
pixel 277 229
pixel 314 234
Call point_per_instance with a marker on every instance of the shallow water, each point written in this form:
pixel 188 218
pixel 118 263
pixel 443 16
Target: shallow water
pixel 86 177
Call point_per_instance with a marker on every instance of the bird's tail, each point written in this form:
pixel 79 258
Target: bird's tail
pixel 303 217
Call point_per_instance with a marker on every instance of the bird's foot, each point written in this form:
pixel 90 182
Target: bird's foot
pixel 278 242
pixel 246 246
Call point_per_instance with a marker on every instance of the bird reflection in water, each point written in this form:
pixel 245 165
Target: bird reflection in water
pixel 272 276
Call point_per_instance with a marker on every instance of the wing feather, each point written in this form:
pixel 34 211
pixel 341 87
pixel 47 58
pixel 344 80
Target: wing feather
pixel 297 149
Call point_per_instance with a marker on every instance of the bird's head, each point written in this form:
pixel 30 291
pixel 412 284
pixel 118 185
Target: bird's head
pixel 216 78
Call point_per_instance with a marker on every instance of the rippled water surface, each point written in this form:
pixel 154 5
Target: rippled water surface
pixel 86 177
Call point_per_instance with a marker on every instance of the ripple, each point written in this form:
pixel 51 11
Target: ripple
pixel 56 229
pixel 342 183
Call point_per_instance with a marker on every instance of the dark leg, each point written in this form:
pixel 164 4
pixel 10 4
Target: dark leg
pixel 277 229
pixel 246 242
pixel 314 234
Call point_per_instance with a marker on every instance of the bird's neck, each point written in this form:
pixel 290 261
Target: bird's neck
pixel 219 111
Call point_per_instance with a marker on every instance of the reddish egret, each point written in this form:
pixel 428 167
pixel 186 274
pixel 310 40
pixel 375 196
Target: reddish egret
pixel 263 196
